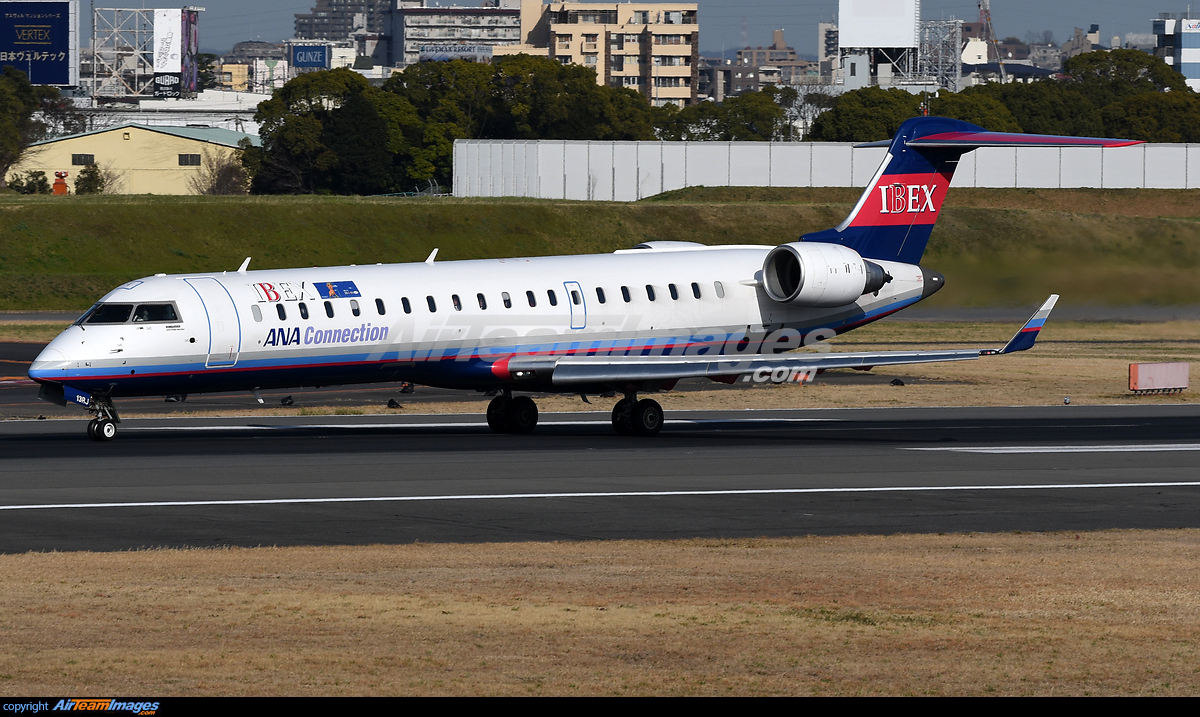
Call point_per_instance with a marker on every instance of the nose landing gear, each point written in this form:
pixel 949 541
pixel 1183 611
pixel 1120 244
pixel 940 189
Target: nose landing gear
pixel 104 426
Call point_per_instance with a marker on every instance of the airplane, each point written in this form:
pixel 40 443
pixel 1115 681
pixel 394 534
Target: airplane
pixel 633 322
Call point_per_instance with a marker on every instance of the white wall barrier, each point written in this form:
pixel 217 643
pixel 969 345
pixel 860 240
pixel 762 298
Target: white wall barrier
pixel 629 171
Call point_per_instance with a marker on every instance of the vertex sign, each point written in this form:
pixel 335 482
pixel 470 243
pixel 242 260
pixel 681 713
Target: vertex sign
pixel 310 56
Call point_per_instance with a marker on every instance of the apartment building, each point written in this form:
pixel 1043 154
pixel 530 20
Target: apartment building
pixel 653 48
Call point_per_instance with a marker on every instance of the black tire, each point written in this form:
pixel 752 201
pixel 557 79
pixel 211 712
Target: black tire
pixel 106 430
pixel 91 429
pixel 622 420
pixel 647 417
pixel 522 414
pixel 498 417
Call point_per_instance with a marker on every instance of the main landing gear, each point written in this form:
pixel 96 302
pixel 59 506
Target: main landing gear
pixel 104 426
pixel 506 414
pixel 631 417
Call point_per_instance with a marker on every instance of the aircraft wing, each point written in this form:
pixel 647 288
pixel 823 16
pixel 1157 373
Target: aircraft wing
pixel 571 371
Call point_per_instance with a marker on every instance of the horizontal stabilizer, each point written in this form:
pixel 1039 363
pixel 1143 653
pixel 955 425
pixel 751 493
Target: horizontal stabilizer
pixel 973 140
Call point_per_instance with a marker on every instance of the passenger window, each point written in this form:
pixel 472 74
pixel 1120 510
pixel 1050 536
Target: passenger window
pixel 329 309
pixel 257 312
pixel 600 295
pixel 625 294
pixel 649 292
pixel 407 306
pixel 380 308
pixel 695 290
pixel 303 311
pixel 532 301
pixel 110 314
pixel 457 304
pixel 482 302
pixel 154 312
pixel 353 308
pixel 507 299
pixel 674 292
pixel 720 289
pixel 575 297
pixel 281 311
pixel 553 298
pixel 432 304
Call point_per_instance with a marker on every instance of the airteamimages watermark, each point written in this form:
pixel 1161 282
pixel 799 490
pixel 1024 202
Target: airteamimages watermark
pixel 139 707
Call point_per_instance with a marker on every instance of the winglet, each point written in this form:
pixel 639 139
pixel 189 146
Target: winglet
pixel 1028 334
pixel 245 264
pixel 432 254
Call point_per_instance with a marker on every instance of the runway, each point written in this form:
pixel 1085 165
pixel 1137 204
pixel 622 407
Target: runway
pixel 338 480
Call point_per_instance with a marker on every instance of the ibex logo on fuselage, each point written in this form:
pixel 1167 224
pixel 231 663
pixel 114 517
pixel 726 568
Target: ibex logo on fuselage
pixel 906 198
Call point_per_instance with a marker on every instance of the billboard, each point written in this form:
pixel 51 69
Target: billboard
pixel 268 75
pixel 190 71
pixel 42 40
pixel 445 53
pixel 310 56
pixel 879 23
pixel 168 45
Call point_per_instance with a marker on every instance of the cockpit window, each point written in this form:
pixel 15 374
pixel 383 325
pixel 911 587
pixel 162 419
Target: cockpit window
pixel 110 314
pixel 154 312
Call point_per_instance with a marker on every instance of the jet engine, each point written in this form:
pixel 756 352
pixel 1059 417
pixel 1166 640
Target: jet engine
pixel 819 274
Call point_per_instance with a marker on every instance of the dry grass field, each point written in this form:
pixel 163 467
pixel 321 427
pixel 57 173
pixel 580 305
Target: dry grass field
pixel 1109 613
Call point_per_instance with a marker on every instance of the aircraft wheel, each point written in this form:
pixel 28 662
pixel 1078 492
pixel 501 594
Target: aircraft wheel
pixel 106 430
pixel 622 418
pixel 498 417
pixel 647 417
pixel 522 414
pixel 91 429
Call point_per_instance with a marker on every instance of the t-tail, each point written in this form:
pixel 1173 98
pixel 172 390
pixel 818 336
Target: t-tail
pixel 895 215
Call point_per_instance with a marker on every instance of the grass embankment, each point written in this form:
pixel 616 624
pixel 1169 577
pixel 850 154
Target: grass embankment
pixel 1109 613
pixel 996 247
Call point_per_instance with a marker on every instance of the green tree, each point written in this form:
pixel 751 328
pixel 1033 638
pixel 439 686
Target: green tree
pixel 19 124
pixel 32 182
pixel 206 66
pixel 865 115
pixel 979 109
pixel 753 116
pixel 1106 77
pixel 1155 117
pixel 90 180
pixel 1045 107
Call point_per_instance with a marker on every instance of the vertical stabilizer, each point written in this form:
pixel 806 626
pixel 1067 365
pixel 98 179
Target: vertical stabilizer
pixel 894 217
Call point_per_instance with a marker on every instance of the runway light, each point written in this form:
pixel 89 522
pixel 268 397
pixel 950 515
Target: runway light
pixel 1066 400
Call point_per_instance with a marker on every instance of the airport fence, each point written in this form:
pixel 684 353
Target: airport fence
pixel 629 171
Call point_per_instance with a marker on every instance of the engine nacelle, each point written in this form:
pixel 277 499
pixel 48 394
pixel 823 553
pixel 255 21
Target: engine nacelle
pixel 819 274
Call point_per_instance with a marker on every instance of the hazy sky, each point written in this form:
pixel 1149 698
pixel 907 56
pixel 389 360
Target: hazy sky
pixel 723 22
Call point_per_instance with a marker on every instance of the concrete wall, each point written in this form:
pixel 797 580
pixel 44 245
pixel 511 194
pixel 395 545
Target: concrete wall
pixel 628 171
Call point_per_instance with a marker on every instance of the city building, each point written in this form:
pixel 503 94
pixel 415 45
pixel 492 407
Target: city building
pixel 650 47
pixel 137 159
pixel 1082 42
pixel 827 48
pixel 1178 44
pixel 477 32
pixel 338 19
pixel 790 68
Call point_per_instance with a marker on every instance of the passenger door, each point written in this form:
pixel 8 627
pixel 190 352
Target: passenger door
pixel 578 303
pixel 224 328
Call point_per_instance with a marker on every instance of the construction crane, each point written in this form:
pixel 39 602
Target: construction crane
pixel 985 18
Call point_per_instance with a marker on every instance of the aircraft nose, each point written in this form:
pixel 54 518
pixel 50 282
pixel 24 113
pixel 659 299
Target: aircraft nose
pixel 48 363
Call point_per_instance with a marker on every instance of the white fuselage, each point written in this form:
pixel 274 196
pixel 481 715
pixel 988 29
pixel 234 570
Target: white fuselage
pixel 427 322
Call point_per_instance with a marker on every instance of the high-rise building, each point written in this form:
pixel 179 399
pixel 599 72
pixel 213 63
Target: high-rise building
pixel 338 19
pixel 1179 45
pixel 495 24
pixel 827 47
pixel 650 47
pixel 790 67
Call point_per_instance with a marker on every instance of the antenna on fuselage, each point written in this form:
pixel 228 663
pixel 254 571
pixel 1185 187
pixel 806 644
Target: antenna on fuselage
pixel 431 255
pixel 242 268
